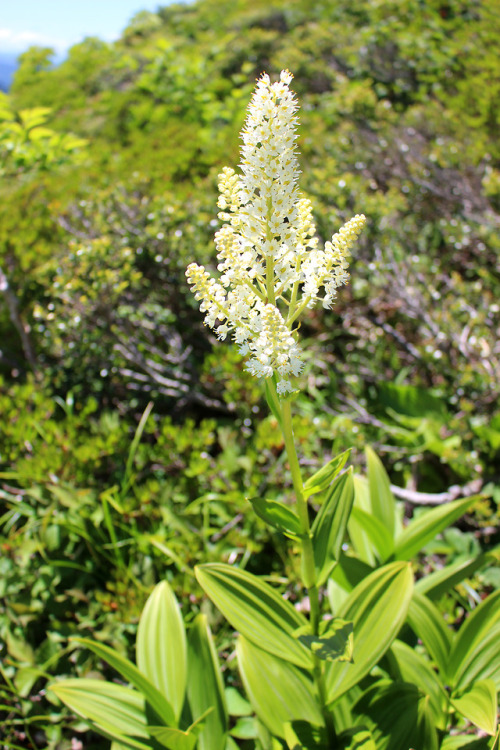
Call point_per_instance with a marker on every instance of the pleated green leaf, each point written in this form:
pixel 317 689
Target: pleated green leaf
pixel 180 739
pixel 414 668
pixel 398 716
pixel 324 476
pixel 474 655
pixel 277 515
pixel 161 646
pixel 330 525
pixel 300 735
pixel 439 582
pixel 425 527
pixel 205 689
pixel 378 534
pixel 358 738
pixel 464 742
pixel 360 540
pixel 278 691
pixel 113 710
pixel 131 674
pixel 479 705
pixel 428 624
pixel 377 607
pixel 381 497
pixel 256 610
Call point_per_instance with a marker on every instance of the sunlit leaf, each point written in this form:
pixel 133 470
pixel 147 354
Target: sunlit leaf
pixel 116 711
pixel 330 524
pixel 479 705
pixel 377 607
pixel 382 499
pixel 256 610
pixel 278 691
pixel 131 674
pixel 205 689
pixel 161 646
pixel 324 476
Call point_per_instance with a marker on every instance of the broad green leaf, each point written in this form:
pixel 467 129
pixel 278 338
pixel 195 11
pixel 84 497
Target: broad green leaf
pixel 236 704
pixel 439 582
pixel 131 674
pixel 161 646
pixel 427 622
pixel 378 607
pixel 464 742
pixel 256 610
pixel 358 738
pixel 205 689
pixel 359 538
pixel 474 655
pixel 398 717
pixel 382 499
pixel 300 735
pixel 277 515
pixel 334 642
pixel 330 524
pixel 428 525
pixel 324 476
pixel 411 400
pixel 116 711
pixel 278 691
pixel 479 705
pixel 379 536
pixel 414 668
pixel 180 739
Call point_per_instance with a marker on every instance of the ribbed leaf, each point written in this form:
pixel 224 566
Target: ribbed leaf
pixel 479 705
pixel 358 738
pixel 330 525
pixel 377 607
pixel 359 538
pixel 382 499
pixel 378 534
pixel 299 735
pixel 205 689
pixel 256 610
pixel 415 669
pixel 179 739
pixel 278 691
pixel 161 646
pixel 439 582
pixel 427 622
pixel 277 515
pixel 398 716
pixel 113 710
pixel 324 476
pixel 474 655
pixel 425 527
pixel 131 674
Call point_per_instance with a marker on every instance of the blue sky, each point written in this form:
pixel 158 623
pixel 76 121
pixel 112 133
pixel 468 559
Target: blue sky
pixel 61 23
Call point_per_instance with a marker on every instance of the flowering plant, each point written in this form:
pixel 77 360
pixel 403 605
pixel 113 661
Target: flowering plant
pixel 313 676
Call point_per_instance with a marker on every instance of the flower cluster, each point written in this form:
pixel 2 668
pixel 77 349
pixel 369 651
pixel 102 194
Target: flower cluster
pixel 271 267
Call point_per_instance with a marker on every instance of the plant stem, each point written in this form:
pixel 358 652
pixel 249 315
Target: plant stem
pixel 308 566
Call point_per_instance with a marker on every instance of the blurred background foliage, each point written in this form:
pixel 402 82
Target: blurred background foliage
pixel 108 172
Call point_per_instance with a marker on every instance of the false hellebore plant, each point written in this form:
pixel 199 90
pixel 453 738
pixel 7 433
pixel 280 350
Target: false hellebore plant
pixel 310 680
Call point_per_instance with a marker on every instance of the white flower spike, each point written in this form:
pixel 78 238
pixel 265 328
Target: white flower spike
pixel 270 264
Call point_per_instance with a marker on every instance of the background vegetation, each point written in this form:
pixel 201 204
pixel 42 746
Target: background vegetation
pixel 130 437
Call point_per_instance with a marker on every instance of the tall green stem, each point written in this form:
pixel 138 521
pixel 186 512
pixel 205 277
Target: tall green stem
pixel 307 558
